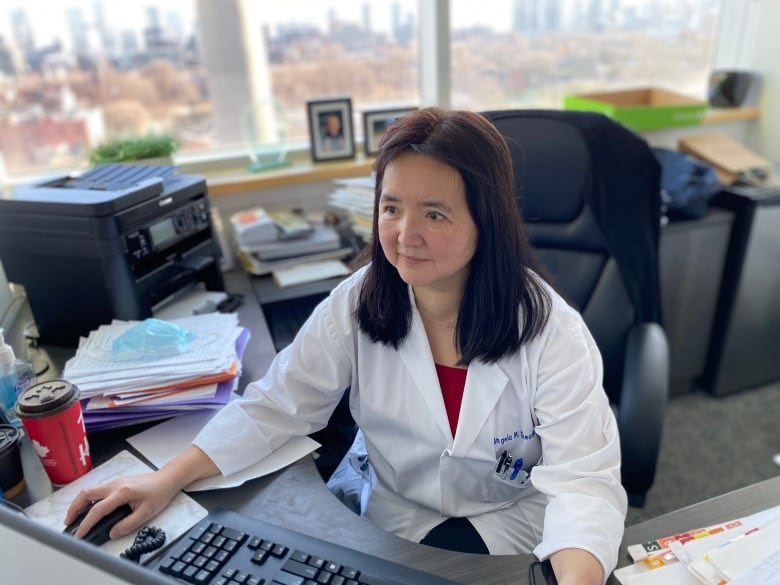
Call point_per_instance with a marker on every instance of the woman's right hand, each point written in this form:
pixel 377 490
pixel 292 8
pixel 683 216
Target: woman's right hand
pixel 147 495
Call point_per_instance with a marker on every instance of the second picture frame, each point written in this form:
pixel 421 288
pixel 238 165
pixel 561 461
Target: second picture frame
pixel 375 122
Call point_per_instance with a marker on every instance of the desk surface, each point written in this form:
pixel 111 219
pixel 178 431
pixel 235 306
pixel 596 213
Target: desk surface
pixel 297 498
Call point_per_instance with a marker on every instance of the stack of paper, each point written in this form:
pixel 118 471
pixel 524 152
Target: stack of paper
pixel 740 552
pixel 273 240
pixel 321 239
pixel 117 393
pixel 310 272
pixel 355 195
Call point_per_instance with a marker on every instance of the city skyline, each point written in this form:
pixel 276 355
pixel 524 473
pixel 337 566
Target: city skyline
pixel 463 13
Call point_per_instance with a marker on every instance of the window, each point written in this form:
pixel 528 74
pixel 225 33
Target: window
pixel 232 75
pixel 530 53
pixel 221 75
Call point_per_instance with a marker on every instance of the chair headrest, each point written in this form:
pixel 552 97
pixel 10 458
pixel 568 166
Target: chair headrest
pixel 551 165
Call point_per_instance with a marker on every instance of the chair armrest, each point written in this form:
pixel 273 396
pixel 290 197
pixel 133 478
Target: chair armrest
pixel 643 398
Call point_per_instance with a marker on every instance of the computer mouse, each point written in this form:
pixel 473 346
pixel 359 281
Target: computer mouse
pixel 99 532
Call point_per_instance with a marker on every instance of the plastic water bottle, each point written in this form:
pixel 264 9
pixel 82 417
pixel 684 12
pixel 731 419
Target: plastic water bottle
pixel 15 376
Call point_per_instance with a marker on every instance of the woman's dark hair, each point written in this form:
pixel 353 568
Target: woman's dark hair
pixel 499 282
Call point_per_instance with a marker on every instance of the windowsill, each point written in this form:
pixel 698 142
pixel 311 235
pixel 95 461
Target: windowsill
pixel 721 115
pixel 231 177
pixel 234 178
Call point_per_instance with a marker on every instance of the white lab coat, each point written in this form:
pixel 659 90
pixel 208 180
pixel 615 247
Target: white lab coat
pixel 544 404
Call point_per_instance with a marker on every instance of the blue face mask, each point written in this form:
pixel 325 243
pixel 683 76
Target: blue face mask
pixel 150 339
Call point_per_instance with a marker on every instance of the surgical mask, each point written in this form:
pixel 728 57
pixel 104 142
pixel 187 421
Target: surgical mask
pixel 149 339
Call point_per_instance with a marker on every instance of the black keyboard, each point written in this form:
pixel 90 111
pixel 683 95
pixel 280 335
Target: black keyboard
pixel 226 548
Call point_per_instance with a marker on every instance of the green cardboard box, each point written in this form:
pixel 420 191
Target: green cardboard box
pixel 643 108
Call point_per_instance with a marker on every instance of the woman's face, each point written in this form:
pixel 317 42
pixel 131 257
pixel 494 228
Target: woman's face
pixel 425 227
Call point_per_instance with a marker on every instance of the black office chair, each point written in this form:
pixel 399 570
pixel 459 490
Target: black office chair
pixel 589 190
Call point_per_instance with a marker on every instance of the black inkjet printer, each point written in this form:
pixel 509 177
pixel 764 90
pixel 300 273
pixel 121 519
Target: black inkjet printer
pixel 113 242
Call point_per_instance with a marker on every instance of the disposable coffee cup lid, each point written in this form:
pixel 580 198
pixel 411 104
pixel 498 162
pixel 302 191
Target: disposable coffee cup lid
pixel 9 436
pixel 45 397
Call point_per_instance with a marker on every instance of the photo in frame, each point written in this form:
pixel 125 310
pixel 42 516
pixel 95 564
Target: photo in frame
pixel 375 122
pixel 330 129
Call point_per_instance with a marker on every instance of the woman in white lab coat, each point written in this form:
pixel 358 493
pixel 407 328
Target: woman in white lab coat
pixel 477 389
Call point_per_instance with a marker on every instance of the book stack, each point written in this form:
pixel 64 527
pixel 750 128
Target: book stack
pixel 118 393
pixel 268 241
pixel 355 196
pixel 743 551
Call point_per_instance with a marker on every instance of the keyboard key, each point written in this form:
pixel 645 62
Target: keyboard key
pixel 300 556
pixel 260 557
pixel 297 568
pixel 219 541
pixel 233 534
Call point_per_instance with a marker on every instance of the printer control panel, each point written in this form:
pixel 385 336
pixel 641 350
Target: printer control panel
pixel 168 230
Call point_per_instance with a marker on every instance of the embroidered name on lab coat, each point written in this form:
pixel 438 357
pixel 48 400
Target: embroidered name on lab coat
pixel 509 437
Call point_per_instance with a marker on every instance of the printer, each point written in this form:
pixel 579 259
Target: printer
pixel 111 243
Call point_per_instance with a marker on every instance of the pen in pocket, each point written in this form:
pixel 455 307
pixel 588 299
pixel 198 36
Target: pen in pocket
pixel 516 468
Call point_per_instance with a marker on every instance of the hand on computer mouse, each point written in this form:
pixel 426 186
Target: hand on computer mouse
pixel 147 494
pixel 99 533
pixel 143 494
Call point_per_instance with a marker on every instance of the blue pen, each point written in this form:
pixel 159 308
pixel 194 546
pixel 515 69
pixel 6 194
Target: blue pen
pixel 516 468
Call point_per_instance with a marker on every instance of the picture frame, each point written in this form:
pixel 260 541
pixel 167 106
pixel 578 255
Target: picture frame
pixel 375 122
pixel 331 130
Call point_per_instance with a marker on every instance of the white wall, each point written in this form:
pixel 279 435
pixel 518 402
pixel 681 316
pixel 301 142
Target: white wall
pixel 750 41
pixel 765 136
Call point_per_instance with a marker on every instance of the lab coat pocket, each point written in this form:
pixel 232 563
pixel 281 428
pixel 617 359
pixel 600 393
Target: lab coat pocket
pixel 500 488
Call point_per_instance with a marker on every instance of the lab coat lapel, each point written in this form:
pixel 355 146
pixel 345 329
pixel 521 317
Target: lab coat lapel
pixel 484 385
pixel 417 358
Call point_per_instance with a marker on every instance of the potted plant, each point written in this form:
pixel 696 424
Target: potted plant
pixel 149 149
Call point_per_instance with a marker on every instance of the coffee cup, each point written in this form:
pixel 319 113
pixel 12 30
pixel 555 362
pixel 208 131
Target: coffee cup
pixel 11 471
pixel 52 417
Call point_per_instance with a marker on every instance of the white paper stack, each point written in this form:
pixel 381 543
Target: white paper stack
pixel 322 239
pixel 355 195
pixel 116 393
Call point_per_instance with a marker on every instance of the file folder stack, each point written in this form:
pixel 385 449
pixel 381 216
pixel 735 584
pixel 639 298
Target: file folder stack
pixel 119 393
pixel 268 241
